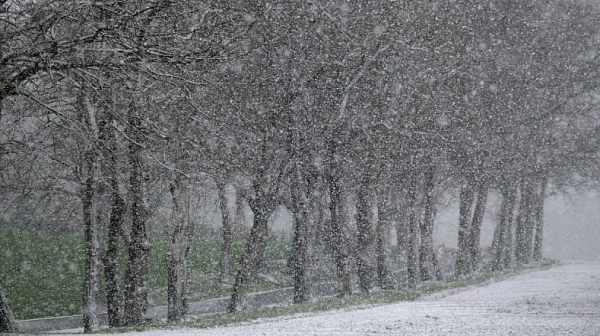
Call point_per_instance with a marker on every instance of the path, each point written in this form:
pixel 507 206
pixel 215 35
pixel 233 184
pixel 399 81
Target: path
pixel 564 300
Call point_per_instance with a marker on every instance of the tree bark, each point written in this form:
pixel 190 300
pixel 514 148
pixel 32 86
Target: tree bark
pixel 464 230
pixel 91 239
pixel 91 276
pixel 384 280
pixel 8 323
pixel 136 275
pixel 414 215
pixel 500 233
pixel 523 240
pixel 427 258
pixel 115 230
pixel 338 233
pixel 177 299
pixel 401 219
pixel 539 220
pixel 227 223
pixel 364 237
pixel 509 247
pixel 300 205
pixel 475 234
pixel 257 234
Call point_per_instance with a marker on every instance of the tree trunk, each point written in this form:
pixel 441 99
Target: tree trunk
pixel 257 234
pixel 414 215
pixel 338 234
pixel 401 219
pixel 475 234
pixel 111 268
pixel 115 229
pixel 364 237
pixel 227 223
pixel 8 323
pixel 523 240
pixel 300 204
pixel 136 275
pixel 500 233
pixel 91 276
pixel 177 300
pixel 539 220
pixel 509 248
pixel 384 280
pixel 427 258
pixel 464 230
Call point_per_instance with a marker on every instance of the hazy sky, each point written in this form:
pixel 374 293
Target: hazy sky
pixel 572 226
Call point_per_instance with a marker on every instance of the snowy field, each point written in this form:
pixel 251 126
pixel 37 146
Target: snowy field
pixel 564 300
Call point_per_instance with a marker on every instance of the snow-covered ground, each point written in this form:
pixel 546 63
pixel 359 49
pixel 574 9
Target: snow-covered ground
pixel 564 300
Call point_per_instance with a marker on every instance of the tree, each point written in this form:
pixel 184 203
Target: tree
pixel 7 318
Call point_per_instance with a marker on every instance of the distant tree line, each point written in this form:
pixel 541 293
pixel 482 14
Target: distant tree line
pixel 388 106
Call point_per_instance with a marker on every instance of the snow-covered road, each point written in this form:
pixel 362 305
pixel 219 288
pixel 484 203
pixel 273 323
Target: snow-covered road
pixel 564 300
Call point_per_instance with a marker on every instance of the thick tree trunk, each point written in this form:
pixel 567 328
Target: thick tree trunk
pixel 539 220
pixel 523 236
pixel 364 237
pixel 257 234
pixel 111 268
pixel 384 275
pixel 177 299
pixel 339 241
pixel 427 258
pixel 115 229
pixel 300 205
pixel 463 266
pixel 475 234
pixel 227 223
pixel 500 233
pixel 414 215
pixel 92 246
pixel 8 323
pixel 136 275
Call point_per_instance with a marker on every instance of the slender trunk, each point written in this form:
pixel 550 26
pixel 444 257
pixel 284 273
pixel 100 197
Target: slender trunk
pixel 414 215
pixel 539 221
pixel 509 246
pixel 475 236
pixel 401 219
pixel 464 230
pixel 427 258
pixel 177 300
pixel 339 240
pixel 257 234
pixel 300 203
pixel 91 243
pixel 136 275
pixel 111 269
pixel 8 323
pixel 115 229
pixel 227 234
pixel 384 280
pixel 91 277
pixel 364 237
pixel 523 219
pixel 239 224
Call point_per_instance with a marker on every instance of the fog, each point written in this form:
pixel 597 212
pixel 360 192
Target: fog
pixel 571 226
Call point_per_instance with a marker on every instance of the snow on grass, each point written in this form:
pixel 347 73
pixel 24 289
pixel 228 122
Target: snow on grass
pixel 564 300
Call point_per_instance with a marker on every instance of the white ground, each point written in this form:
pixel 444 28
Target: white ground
pixel 564 300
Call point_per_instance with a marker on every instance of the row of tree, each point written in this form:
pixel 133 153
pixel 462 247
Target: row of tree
pixel 385 107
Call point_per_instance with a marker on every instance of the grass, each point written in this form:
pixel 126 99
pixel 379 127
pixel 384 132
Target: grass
pixel 42 272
